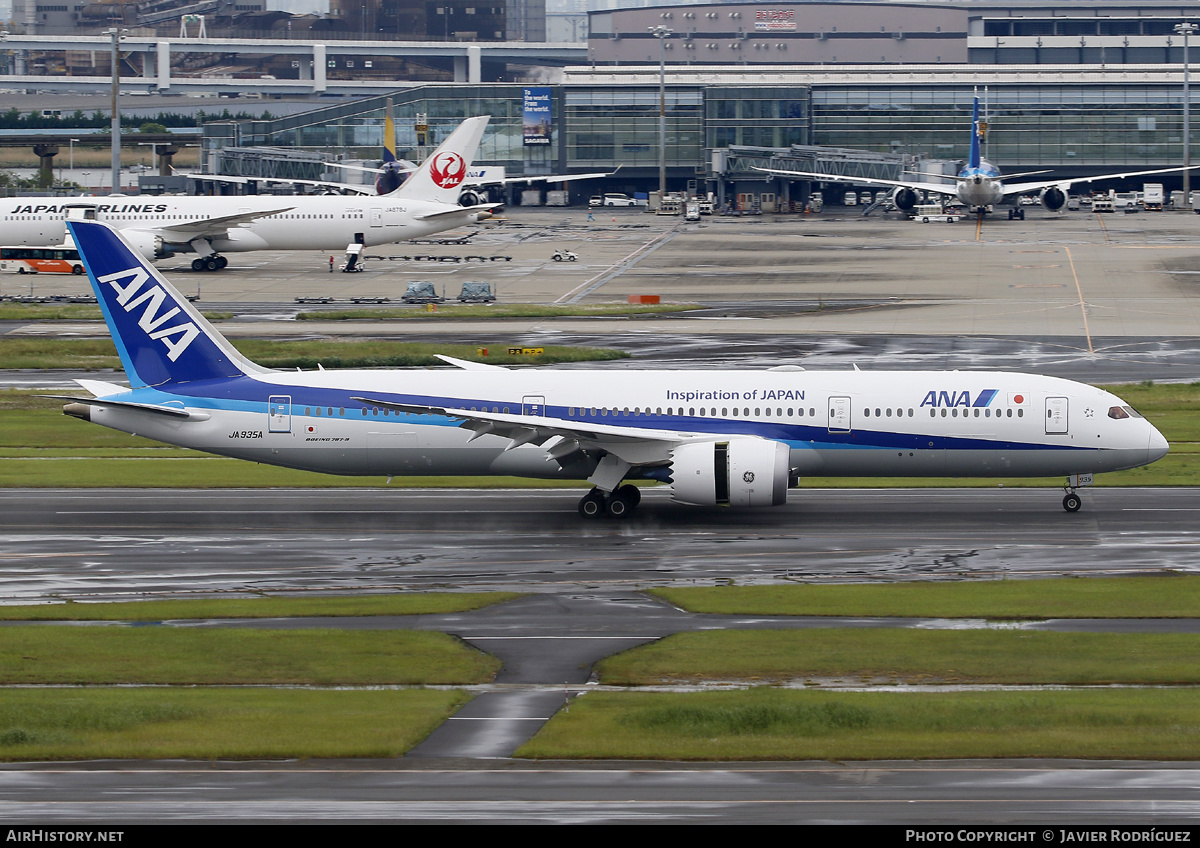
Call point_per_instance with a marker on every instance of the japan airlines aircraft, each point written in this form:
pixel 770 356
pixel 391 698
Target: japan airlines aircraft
pixel 390 175
pixel 728 438
pixel 159 227
pixel 979 185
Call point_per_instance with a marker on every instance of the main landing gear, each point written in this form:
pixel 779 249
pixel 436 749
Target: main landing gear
pixel 617 504
pixel 212 262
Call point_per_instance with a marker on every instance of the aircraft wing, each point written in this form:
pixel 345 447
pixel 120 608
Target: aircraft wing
pixel 948 189
pixel 561 437
pixel 341 187
pixel 188 230
pixel 557 178
pixel 483 207
pixel 1065 184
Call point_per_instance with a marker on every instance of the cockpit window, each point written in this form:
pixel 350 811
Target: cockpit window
pixel 1119 412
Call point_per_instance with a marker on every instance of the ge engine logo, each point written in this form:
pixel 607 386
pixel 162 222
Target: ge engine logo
pixel 748 477
pixel 448 170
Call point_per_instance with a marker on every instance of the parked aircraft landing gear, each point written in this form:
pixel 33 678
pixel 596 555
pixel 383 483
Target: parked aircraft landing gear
pixel 618 504
pixel 212 262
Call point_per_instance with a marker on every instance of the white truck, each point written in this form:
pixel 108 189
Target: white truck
pixel 926 212
pixel 1152 197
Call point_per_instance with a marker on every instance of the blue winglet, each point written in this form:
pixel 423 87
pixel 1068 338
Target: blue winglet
pixel 159 335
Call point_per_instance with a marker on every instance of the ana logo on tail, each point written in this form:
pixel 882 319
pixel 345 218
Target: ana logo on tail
pixel 176 338
pixel 448 169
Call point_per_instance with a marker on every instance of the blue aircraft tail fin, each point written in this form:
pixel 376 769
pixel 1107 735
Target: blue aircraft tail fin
pixel 975 133
pixel 159 335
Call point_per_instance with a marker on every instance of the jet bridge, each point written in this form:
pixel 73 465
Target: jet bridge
pixel 734 169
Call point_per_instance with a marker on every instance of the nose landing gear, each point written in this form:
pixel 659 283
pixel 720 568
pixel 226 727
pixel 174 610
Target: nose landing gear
pixel 1071 501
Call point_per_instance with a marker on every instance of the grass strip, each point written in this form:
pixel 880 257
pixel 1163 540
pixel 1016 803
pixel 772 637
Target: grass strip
pixel 207 724
pixel 415 603
pixel 497 311
pixel 18 352
pixel 1172 596
pixel 70 312
pixel 890 655
pixel 772 724
pixel 49 654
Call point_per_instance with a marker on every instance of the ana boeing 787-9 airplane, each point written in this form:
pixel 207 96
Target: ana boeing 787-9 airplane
pixel 979 185
pixel 159 227
pixel 728 438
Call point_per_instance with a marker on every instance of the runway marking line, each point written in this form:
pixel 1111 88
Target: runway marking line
pixel 1082 306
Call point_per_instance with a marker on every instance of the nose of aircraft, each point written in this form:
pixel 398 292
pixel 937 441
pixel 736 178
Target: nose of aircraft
pixel 1157 446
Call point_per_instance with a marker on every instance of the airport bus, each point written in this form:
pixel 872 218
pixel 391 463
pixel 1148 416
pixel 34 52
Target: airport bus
pixel 22 259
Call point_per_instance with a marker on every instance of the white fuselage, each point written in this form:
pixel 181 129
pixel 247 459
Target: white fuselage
pixel 980 187
pixel 325 222
pixel 947 423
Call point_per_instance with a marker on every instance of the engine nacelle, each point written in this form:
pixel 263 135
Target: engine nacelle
pixel 147 244
pixel 737 472
pixel 904 198
pixel 1053 198
pixel 470 198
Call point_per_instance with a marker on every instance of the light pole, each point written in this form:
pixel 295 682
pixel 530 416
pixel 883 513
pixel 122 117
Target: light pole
pixel 662 33
pixel 115 32
pixel 72 147
pixel 1186 29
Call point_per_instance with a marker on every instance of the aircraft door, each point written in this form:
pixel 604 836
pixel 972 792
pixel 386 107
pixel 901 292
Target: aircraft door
pixel 839 415
pixel 376 217
pixel 279 415
pixel 533 405
pixel 1056 416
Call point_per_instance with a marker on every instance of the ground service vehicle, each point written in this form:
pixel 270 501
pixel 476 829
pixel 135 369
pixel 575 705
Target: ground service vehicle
pixel 562 255
pixel 421 292
pixel 475 292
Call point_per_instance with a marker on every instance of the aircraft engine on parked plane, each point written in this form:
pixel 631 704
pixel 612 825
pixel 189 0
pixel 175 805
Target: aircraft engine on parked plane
pixel 472 198
pixel 1053 198
pixel 148 244
pixel 905 198
pixel 737 472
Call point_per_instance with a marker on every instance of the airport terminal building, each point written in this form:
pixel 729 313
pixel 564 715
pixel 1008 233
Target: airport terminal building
pixel 1118 107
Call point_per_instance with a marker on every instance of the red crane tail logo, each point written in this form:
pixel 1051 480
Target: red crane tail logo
pixel 447 170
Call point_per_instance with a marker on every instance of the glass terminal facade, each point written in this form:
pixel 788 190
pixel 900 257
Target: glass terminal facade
pixel 1080 120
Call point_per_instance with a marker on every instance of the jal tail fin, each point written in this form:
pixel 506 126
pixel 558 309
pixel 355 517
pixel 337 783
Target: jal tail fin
pixel 975 134
pixel 160 336
pixel 440 177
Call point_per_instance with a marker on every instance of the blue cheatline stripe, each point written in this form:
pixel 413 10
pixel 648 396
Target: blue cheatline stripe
pixel 249 395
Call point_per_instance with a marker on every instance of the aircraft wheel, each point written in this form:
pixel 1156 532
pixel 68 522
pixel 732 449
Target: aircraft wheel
pixel 221 263
pixel 619 505
pixel 631 493
pixel 591 505
pixel 1072 502
pixel 212 263
pixel 197 264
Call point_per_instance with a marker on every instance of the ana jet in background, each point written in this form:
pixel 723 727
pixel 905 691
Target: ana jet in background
pixel 978 186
